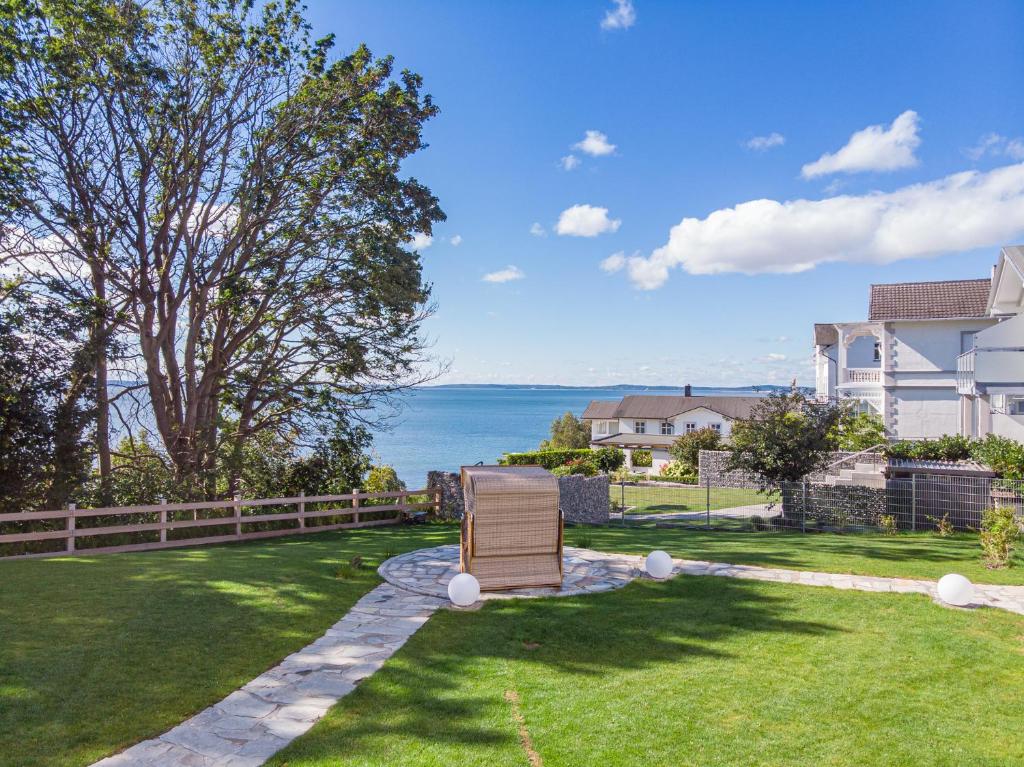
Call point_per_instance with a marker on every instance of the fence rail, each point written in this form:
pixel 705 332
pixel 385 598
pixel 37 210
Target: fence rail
pixel 169 525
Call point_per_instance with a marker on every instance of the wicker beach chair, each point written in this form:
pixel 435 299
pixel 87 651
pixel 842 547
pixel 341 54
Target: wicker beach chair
pixel 512 528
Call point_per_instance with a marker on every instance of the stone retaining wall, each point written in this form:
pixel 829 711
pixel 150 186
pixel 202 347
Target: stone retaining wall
pixel 584 500
pixel 712 468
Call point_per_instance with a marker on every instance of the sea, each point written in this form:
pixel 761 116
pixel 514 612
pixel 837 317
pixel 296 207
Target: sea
pixel 445 427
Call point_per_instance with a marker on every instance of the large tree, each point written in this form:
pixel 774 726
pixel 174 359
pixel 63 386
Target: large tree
pixel 228 200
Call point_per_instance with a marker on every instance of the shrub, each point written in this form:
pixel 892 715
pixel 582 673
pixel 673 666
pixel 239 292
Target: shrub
pixel 1004 456
pixel 584 466
pixel 888 524
pixel 677 471
pixel 549 459
pixel 999 532
pixel 949 447
pixel 858 431
pixel 686 449
pixel 609 459
pixel 567 433
pixel 642 458
pixel 943 527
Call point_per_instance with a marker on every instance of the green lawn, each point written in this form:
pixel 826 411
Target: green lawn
pixel 694 671
pixel 906 555
pixel 99 652
pixel 656 499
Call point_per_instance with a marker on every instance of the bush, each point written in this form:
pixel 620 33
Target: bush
pixel 549 459
pixel 858 431
pixel 949 447
pixel 888 524
pixel 999 532
pixel 584 466
pixel 609 459
pixel 642 458
pixel 1004 456
pixel 686 449
pixel 677 471
pixel 567 433
pixel 943 527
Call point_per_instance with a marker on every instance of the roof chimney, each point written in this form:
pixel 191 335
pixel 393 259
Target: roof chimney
pixel 687 391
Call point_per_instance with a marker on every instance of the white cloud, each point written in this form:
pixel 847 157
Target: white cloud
pixel 421 241
pixel 595 144
pixel 774 357
pixel 456 240
pixel 761 143
pixel 959 212
pixel 569 162
pixel 508 274
pixel 874 148
pixel 537 230
pixel 586 221
pixel 997 146
pixel 614 263
pixel 622 16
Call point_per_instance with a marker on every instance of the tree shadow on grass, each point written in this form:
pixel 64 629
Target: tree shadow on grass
pixel 444 689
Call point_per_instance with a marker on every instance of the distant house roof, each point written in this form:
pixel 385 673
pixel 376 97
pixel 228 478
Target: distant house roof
pixel 657 407
pixel 636 440
pixel 949 299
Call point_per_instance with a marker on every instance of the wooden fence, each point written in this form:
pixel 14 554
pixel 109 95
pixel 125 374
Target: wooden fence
pixel 167 525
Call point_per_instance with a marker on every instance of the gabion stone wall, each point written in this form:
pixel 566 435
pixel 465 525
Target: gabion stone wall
pixel 712 468
pixel 584 500
pixel 453 504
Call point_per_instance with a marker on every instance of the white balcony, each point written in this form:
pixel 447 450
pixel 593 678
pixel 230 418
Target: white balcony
pixel 990 370
pixel 861 375
pixel 965 374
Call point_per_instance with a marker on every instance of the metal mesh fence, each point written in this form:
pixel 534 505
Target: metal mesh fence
pixel 921 502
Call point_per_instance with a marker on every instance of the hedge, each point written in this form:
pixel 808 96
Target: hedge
pixel 549 459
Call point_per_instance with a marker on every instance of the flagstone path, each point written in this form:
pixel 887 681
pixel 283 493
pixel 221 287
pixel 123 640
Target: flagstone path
pixel 253 723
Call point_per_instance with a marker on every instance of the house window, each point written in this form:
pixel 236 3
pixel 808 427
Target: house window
pixel 666 427
pixel 602 427
pixel 716 427
pixel 640 427
pixel 691 427
pixel 878 351
pixel 1015 406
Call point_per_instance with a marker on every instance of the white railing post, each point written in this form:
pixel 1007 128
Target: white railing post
pixel 302 509
pixel 355 505
pixel 163 521
pixel 71 528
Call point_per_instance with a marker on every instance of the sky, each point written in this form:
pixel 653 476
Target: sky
pixel 671 192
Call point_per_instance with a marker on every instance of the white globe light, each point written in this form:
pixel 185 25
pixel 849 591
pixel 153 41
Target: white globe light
pixel 463 590
pixel 659 565
pixel 955 589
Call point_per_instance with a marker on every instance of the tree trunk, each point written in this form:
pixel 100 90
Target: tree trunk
pixel 99 341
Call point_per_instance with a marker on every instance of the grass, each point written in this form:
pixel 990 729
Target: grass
pixel 99 652
pixel 652 499
pixel 694 671
pixel 906 555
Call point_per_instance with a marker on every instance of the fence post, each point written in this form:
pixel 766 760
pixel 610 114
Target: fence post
pixel 437 502
pixel 302 509
pixel 803 510
pixel 163 521
pixel 707 499
pixel 913 502
pixel 355 505
pixel 238 517
pixel 71 528
pixel 622 501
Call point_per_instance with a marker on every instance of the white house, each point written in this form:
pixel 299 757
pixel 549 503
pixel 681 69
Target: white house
pixel 653 422
pixel 933 358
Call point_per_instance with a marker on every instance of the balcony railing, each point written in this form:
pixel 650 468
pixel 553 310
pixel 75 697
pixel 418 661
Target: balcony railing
pixel 965 373
pixel 862 375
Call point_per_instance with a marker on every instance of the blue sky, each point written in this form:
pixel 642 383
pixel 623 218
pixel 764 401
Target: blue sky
pixel 683 91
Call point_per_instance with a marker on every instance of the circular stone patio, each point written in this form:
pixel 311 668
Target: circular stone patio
pixel 428 571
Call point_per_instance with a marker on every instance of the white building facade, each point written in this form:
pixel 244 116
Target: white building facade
pixel 932 355
pixel 654 422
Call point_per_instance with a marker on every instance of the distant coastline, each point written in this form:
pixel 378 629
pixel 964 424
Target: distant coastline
pixel 610 387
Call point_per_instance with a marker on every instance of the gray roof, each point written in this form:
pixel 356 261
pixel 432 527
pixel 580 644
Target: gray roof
pixel 636 440
pixel 657 407
pixel 949 299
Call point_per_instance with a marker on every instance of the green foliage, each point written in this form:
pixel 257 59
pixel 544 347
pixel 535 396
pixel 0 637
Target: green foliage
pixel 858 431
pixel 642 458
pixel 383 479
pixel 608 459
pixel 1004 456
pixel 1000 530
pixel 549 459
pixel 686 449
pixel 949 447
pixel 567 433
pixel 787 438
pixel 943 527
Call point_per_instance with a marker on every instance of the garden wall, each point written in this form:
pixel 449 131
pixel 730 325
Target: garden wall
pixel 584 500
pixel 713 463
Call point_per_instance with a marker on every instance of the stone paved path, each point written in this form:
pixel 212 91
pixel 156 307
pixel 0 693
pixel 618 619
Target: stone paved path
pixel 253 723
